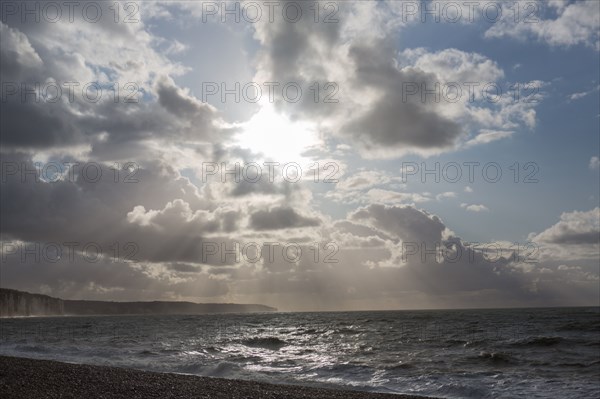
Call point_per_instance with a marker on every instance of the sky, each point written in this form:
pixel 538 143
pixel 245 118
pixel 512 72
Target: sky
pixel 304 155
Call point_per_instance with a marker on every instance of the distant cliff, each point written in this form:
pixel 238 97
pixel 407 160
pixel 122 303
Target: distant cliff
pixel 19 303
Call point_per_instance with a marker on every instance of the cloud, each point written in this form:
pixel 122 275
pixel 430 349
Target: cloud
pixel 368 250
pixel 375 127
pixel 81 209
pixel 392 123
pixel 488 136
pixel 179 102
pixel 373 110
pixel 453 65
pixel 280 218
pixel 175 214
pixel 110 279
pixel 464 82
pixel 574 239
pixel 474 207
pixel 576 23
pixel 594 163
pixel 447 194
pixel 362 180
pixel 573 228
pixel 352 188
pixel 577 96
pixel 169 211
pixel 176 47
pixel 138 105
pixel 18 57
pixel 407 223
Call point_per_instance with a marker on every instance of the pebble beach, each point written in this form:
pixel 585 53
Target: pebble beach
pixel 29 378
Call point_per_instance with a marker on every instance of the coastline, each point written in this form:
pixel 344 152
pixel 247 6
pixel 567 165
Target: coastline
pixel 32 378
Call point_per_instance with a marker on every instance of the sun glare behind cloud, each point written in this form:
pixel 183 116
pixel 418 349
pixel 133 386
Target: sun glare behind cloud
pixel 276 137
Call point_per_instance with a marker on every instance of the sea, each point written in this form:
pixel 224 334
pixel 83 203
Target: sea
pixel 499 353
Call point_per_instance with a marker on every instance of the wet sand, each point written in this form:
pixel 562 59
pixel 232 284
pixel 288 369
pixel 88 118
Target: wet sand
pixel 28 378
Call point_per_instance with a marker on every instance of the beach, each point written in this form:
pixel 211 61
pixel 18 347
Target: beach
pixel 29 378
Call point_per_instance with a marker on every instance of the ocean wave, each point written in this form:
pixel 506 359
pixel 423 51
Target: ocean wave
pixel 273 343
pixel 309 331
pixel 32 348
pixel 148 353
pixel 502 355
pixel 348 331
pixel 539 341
pixel 224 369
pixel 591 343
pixel 580 326
pixel 496 357
pixel 579 364
pixel 400 366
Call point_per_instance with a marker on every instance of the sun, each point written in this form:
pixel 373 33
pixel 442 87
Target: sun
pixel 276 137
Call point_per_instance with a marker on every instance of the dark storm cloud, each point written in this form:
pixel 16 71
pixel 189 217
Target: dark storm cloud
pixel 245 187
pixel 280 218
pixel 393 124
pixel 291 44
pixel 184 106
pixel 18 59
pixel 108 279
pixel 121 123
pixel 38 126
pixel 104 211
pixel 396 120
pixel 592 237
pixel 406 223
pixel 42 125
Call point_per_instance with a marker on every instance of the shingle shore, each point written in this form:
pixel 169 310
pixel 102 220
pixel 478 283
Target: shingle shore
pixel 28 378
